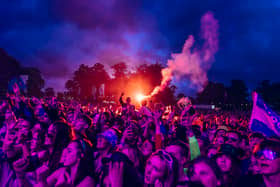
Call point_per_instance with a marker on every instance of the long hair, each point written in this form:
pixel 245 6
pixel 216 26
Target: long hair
pixel 230 178
pixel 171 172
pixel 62 139
pixel 85 167
pixel 210 162
pixel 130 175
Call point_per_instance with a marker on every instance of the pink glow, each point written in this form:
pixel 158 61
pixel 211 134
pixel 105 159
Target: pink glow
pixel 193 62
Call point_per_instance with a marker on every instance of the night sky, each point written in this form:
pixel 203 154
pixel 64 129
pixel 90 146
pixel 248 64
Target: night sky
pixel 58 35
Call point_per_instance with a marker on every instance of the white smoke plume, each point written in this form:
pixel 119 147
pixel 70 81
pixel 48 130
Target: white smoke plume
pixel 194 61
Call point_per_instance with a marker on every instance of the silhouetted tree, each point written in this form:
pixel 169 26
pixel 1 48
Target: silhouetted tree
pixel 98 77
pixel 10 68
pixel 85 79
pixel 238 92
pixel 49 92
pixel 120 79
pixel 151 73
pixel 166 96
pixel 60 96
pixel 264 89
pixel 274 95
pixel 270 92
pixel 72 88
pixel 34 83
pixel 120 70
pixel 213 93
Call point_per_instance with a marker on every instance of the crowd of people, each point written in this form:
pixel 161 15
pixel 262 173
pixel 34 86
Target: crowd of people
pixel 45 143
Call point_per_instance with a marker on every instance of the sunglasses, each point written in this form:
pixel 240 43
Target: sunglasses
pixel 267 154
pixel 232 139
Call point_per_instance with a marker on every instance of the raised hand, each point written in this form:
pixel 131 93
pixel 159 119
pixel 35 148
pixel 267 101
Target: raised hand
pixel 116 174
pixel 42 173
pixel 10 119
pixel 127 134
pixel 20 166
pixel 157 115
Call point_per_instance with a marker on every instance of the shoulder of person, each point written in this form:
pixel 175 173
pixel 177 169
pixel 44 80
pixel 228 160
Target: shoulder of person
pixel 57 173
pixel 87 181
pixel 51 180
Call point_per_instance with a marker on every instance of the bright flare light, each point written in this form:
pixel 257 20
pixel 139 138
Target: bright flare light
pixel 140 97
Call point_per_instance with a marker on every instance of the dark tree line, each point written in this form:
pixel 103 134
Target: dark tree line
pixel 270 92
pixel 145 77
pixel 237 93
pixel 11 68
pixel 87 81
pixel 217 93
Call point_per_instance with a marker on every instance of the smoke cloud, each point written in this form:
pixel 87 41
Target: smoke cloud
pixel 194 61
pixel 57 36
pixel 61 35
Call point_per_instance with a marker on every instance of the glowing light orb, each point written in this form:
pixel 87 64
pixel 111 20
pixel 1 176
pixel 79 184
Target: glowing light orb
pixel 140 97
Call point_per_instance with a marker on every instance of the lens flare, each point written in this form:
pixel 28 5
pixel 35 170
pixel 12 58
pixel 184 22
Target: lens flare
pixel 140 97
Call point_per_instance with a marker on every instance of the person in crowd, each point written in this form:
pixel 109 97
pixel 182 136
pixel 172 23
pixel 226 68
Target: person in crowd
pixel 180 151
pixel 46 142
pixel 125 105
pixel 267 155
pixel 128 144
pixel 211 130
pixel 147 148
pixel 212 150
pixel 57 138
pixel 77 169
pixel 205 171
pixel 80 128
pixel 161 169
pixel 254 139
pixel 120 172
pixel 41 114
pixel 34 155
pixel 219 140
pixel 233 138
pixel 221 131
pixel 106 143
pixel 227 160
